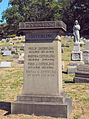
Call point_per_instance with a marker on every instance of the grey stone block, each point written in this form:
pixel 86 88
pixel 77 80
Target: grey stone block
pixel 81 80
pixel 76 47
pixel 53 106
pixel 82 74
pixel 76 63
pixel 86 56
pixel 71 69
pixel 87 45
pixel 62 49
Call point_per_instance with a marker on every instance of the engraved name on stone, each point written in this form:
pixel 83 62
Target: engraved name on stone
pixel 41 36
pixel 41 61
pixel 76 56
pixel 42 24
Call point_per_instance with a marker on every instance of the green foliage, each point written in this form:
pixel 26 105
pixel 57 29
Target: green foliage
pixel 46 10
pixel 76 116
pixel 30 10
pixel 26 118
pixel 11 36
pixel 77 9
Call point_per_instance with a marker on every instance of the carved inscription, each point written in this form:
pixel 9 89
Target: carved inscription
pixel 41 62
pixel 76 56
pixel 42 24
pixel 41 35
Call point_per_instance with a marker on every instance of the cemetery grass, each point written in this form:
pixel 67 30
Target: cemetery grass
pixel 11 81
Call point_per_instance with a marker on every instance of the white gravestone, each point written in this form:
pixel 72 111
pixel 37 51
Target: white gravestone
pixel 5 64
pixel 7 53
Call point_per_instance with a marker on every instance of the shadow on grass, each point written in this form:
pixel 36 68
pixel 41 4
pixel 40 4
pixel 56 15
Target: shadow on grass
pixel 69 82
pixel 5 106
pixel 64 72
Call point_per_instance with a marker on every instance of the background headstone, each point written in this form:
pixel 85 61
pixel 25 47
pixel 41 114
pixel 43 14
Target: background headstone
pixel 5 64
pixel 82 74
pixel 62 45
pixel 62 49
pixel 7 53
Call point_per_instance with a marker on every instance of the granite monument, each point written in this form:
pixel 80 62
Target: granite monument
pixel 42 87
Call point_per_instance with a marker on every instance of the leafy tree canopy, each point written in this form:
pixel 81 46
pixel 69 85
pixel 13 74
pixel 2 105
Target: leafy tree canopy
pixel 31 10
pixel 77 9
pixel 47 10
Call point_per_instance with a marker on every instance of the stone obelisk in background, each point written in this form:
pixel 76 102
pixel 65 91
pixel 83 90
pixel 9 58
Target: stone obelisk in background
pixel 42 87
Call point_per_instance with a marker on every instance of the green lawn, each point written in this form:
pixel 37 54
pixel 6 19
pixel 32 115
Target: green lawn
pixel 11 81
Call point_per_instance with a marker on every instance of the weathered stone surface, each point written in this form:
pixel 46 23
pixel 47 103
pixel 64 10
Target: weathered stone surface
pixel 75 63
pixel 42 87
pixel 63 65
pixel 42 63
pixel 82 74
pixel 76 47
pixel 21 59
pixel 43 24
pixel 62 49
pixel 7 53
pixel 87 45
pixel 5 64
pixel 62 45
pixel 84 68
pixel 86 56
pixel 76 56
pixel 71 69
pixel 49 106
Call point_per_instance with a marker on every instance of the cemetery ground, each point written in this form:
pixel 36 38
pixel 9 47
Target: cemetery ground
pixel 11 81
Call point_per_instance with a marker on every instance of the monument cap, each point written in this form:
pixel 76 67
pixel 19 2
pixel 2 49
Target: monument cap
pixel 42 24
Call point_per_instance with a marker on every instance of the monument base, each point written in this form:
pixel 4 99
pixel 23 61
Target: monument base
pixel 58 106
pixel 76 59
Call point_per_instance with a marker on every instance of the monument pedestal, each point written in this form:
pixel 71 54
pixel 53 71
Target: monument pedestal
pixel 55 106
pixel 42 87
pixel 76 59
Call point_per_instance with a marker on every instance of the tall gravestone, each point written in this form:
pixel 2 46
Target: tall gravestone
pixel 42 88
